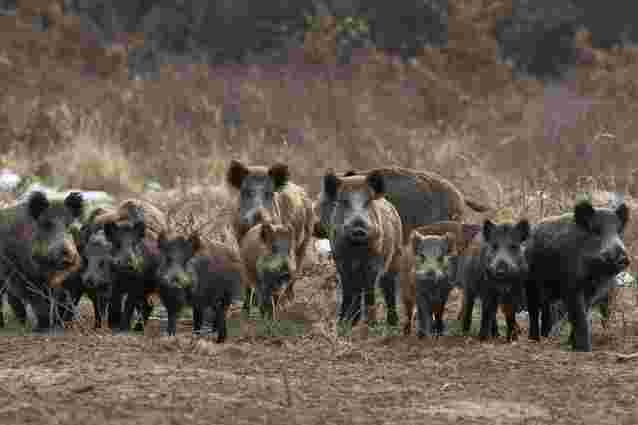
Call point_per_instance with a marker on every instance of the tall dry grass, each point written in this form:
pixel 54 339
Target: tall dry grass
pixel 68 109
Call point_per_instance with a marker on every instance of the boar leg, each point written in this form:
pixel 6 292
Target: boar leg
pixel 438 328
pixel 19 308
pixel 115 308
pixel 468 309
pixel 220 320
pixel 351 305
pixel 389 287
pixel 408 306
pixel 581 327
pixel 424 315
pixel 488 316
pixel 510 317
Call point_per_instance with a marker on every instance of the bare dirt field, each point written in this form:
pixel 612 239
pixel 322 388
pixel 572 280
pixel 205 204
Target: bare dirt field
pixel 315 376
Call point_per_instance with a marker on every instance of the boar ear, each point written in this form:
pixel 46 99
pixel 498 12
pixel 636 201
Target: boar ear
pixel 488 227
pixel 331 184
pixel 267 232
pixel 75 203
pixel 140 229
pixel 195 241
pixel 110 229
pixel 583 213
pixel 350 173
pixel 280 174
pixel 523 228
pixel 236 173
pixel 451 243
pixel 622 211
pixel 38 203
pixel 376 183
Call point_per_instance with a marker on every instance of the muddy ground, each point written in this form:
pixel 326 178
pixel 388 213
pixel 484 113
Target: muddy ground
pixel 313 376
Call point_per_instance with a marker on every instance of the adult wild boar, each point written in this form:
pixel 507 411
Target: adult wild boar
pixel 37 252
pixel 427 267
pixel 495 269
pixel 367 239
pixel 268 253
pixel 267 194
pixel 420 198
pixel 572 258
pixel 205 276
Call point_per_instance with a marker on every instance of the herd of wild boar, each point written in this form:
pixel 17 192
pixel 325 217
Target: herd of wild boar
pixel 398 229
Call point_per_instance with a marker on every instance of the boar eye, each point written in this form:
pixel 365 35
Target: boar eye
pixel 345 203
pixel 513 247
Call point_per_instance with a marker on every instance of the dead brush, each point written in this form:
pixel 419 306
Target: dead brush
pixel 205 211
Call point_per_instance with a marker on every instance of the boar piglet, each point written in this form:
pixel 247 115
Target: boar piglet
pixel 573 259
pixel 495 269
pixel 426 280
pixel 204 276
pixel 267 250
pixel 135 258
pixel 366 235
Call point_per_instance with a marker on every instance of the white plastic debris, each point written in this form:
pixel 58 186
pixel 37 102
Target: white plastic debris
pixel 8 180
pixel 323 247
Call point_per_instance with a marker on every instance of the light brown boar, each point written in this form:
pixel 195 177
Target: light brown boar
pixel 267 194
pixel 267 251
pixel 426 280
pixel 366 237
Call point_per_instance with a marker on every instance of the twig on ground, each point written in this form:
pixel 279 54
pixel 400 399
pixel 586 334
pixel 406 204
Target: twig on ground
pixel 625 357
